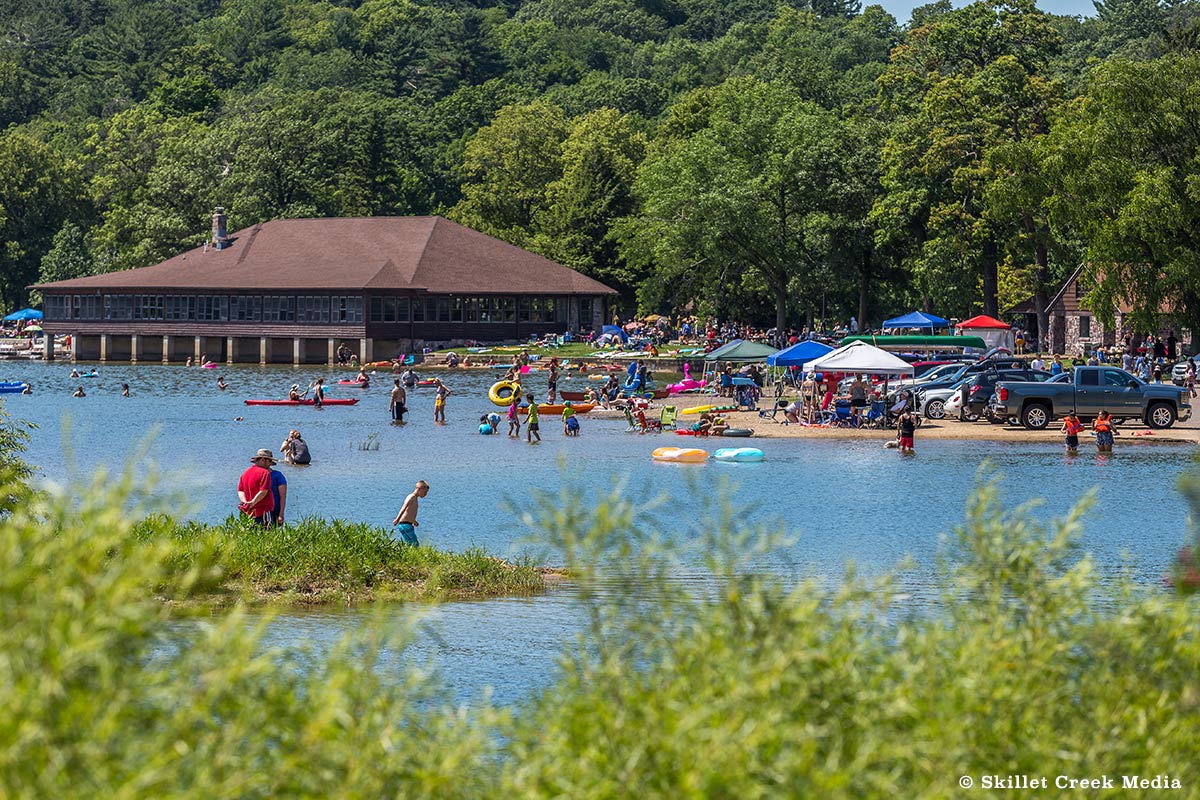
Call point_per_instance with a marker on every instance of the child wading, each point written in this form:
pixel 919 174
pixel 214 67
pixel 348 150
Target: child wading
pixel 570 421
pixel 531 420
pixel 514 422
pixel 1071 427
pixel 1103 426
pixel 907 428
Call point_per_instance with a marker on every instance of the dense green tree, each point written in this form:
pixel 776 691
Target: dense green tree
pixel 600 157
pixel 508 168
pixel 745 197
pixel 70 256
pixel 1126 157
pixel 963 84
pixel 38 191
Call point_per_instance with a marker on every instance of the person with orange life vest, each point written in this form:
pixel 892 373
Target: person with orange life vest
pixel 1072 427
pixel 1103 426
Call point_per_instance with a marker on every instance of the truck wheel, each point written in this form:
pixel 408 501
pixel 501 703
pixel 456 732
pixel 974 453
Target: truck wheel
pixel 1161 415
pixel 1035 416
pixel 935 409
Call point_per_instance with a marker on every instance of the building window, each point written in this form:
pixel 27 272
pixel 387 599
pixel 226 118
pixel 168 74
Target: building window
pixel 418 309
pixel 1085 327
pixel 245 309
pixel 508 307
pixel 456 309
pixel 311 308
pixel 586 309
pixel 118 306
pixel 523 310
pixel 443 309
pixel 55 306
pixel 278 308
pixel 549 309
pixel 212 308
pixel 485 309
pixel 471 310
pixel 178 307
pixel 347 309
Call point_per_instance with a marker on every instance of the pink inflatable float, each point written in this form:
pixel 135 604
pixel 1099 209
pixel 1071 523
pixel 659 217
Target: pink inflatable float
pixel 687 384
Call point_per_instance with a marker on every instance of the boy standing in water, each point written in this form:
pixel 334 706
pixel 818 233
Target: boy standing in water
pixel 514 422
pixel 406 520
pixel 570 423
pixel 531 420
pixel 1071 427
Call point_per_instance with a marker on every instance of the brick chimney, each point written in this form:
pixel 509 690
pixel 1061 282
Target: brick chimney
pixel 220 236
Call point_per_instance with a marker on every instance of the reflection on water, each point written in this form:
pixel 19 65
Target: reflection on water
pixel 847 501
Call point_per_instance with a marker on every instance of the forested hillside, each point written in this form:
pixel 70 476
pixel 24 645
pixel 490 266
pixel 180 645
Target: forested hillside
pixel 753 157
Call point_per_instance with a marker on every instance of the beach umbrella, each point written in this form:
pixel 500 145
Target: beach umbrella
pixel 23 314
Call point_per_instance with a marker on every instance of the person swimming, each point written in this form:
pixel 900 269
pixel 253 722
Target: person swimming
pixel 221 384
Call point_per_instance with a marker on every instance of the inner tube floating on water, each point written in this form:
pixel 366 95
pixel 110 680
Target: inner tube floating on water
pixel 503 392
pixel 740 454
pixel 737 432
pixel 685 455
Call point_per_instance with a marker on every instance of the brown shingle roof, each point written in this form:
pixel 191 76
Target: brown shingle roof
pixel 382 253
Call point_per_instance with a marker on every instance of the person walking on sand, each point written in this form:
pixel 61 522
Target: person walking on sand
pixel 531 420
pixel 1103 426
pixel 514 422
pixel 1071 428
pixel 254 488
pixel 406 521
pixel 906 427
pixel 397 406
pixel 439 402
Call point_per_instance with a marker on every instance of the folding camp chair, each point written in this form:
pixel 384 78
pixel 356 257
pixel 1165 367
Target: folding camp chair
pixel 647 426
pixel 633 426
pixel 666 418
pixel 877 414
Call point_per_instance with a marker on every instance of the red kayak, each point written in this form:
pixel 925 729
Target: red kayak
pixel 339 401
pixel 359 384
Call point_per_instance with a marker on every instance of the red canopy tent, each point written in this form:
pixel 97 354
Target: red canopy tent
pixel 992 330
pixel 983 321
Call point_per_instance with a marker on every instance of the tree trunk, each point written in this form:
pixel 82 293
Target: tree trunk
pixel 991 279
pixel 1041 298
pixel 864 288
pixel 780 311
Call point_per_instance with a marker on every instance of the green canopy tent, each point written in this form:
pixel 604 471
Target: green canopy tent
pixel 741 351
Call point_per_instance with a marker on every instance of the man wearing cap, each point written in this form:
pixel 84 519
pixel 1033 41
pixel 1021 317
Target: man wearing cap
pixel 294 393
pixel 254 488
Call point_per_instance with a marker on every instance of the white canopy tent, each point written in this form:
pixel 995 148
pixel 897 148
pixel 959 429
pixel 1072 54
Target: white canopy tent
pixel 860 357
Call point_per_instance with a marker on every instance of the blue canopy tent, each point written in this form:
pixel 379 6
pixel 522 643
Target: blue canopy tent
pixel 613 330
pixel 798 354
pixel 23 314
pixel 917 319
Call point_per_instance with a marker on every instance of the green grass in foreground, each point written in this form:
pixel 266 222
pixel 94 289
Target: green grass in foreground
pixel 316 561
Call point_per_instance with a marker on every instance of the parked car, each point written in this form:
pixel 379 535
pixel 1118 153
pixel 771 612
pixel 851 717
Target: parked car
pixel 972 399
pixel 1090 390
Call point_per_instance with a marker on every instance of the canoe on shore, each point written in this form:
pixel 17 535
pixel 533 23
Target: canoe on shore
pixel 335 401
pixel 582 408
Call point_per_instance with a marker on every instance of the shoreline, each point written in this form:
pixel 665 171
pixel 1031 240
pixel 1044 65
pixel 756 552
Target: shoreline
pixel 943 429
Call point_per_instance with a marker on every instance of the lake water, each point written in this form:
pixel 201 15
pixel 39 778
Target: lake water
pixel 844 500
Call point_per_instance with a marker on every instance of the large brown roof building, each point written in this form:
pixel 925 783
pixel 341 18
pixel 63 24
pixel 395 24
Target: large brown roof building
pixel 294 290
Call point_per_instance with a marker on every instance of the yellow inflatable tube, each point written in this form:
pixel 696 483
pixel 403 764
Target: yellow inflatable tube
pixel 698 409
pixel 687 455
pixel 502 392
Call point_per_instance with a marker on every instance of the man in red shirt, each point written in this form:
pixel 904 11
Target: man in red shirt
pixel 254 488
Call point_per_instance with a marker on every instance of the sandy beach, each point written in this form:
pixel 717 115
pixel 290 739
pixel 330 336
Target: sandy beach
pixel 766 428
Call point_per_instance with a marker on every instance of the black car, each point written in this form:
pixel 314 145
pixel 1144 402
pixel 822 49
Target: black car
pixel 974 367
pixel 977 393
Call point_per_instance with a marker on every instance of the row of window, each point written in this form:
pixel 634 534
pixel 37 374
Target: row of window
pixel 473 309
pixel 206 308
pixel 320 309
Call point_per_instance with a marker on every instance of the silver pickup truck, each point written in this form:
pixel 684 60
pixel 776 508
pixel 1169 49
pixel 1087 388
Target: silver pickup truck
pixel 1091 390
